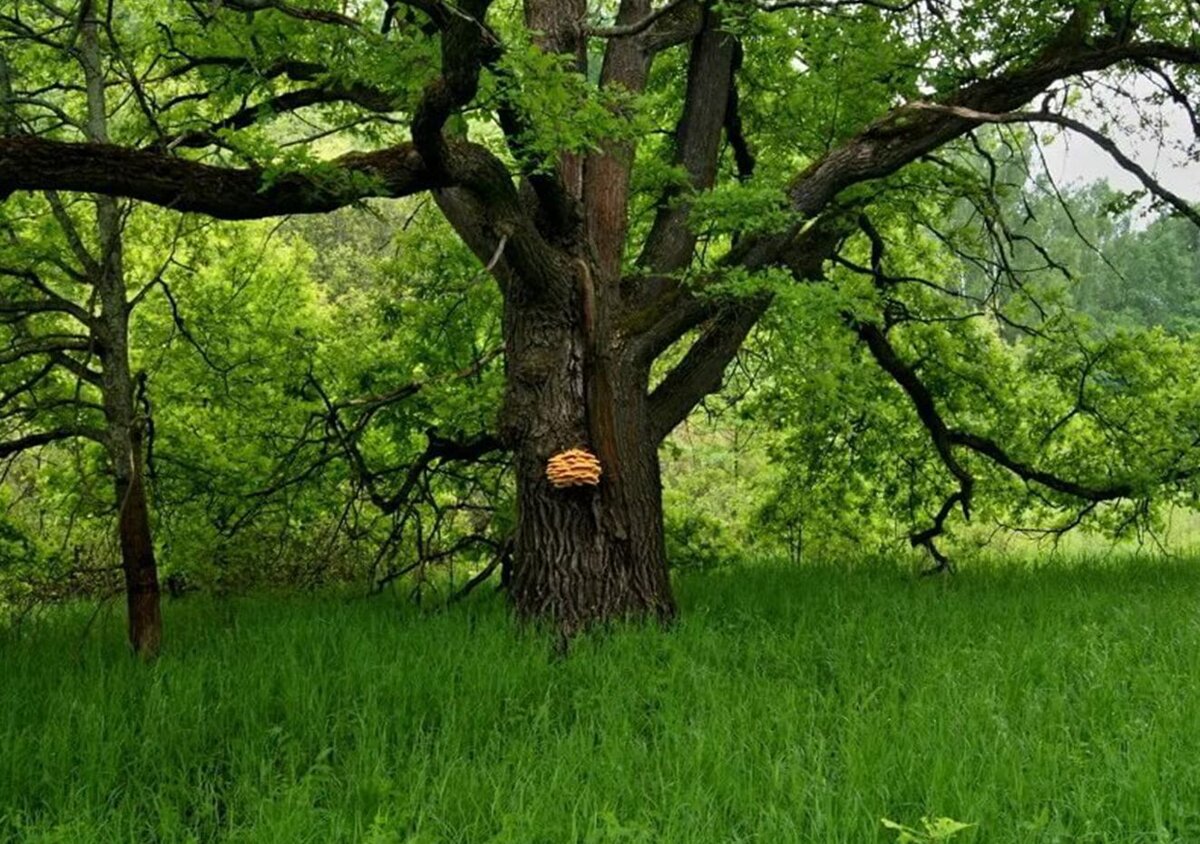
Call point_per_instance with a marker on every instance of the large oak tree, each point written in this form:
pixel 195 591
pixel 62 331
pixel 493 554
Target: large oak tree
pixel 537 132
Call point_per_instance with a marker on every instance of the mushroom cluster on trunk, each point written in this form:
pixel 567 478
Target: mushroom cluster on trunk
pixel 573 467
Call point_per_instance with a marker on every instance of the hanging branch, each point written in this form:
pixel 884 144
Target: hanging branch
pixel 1181 205
pixel 346 421
pixel 947 440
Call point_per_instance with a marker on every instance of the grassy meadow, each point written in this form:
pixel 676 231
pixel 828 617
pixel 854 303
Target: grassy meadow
pixel 788 705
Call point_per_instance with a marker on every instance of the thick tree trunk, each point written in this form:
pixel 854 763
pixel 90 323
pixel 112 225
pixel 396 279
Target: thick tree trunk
pixel 584 554
pixel 587 554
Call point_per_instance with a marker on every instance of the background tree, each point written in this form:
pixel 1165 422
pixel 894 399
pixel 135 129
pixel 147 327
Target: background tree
pixel 66 314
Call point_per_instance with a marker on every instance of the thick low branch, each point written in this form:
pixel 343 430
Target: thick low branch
pixel 923 402
pixel 49 344
pixel 12 311
pixel 991 449
pixel 28 163
pixel 27 413
pixel 914 129
pixel 946 439
pixel 78 368
pixel 702 369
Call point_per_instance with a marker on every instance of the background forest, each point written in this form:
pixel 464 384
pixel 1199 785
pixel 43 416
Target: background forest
pixel 293 369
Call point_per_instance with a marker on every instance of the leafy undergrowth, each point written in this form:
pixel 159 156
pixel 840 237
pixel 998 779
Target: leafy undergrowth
pixel 789 705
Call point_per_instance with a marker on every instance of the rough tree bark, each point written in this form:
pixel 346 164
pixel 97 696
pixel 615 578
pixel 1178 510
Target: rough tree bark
pixel 583 553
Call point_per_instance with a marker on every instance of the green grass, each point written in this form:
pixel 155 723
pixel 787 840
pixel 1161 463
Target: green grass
pixel 787 706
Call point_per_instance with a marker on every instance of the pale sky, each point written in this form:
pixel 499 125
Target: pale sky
pixel 1161 148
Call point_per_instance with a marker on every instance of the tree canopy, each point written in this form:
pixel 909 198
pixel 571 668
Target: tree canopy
pixel 473 235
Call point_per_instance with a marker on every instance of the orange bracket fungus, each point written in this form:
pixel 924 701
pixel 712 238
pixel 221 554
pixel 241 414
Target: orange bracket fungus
pixel 573 467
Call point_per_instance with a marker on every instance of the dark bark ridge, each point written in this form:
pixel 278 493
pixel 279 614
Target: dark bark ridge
pixel 579 338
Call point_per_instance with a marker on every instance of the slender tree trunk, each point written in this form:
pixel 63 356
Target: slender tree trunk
pixel 120 403
pixel 583 554
pixel 137 560
pixel 126 450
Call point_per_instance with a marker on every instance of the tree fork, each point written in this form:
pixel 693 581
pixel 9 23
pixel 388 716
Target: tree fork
pixel 583 555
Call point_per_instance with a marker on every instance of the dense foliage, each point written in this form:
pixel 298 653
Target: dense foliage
pixel 945 347
pixel 810 451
